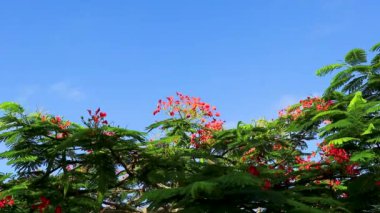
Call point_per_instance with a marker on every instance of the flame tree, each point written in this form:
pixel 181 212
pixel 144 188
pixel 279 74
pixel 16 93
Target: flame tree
pixel 190 163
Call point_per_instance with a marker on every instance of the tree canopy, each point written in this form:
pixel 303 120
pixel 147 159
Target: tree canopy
pixel 190 163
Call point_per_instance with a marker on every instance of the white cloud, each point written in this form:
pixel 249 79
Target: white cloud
pixel 67 91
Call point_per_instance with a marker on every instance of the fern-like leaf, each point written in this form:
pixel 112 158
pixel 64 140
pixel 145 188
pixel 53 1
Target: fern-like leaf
pixel 342 140
pixel 356 102
pixel 354 85
pixel 362 156
pixel 329 113
pixel 375 47
pixel 328 68
pixel 11 107
pixel 375 60
pixel 356 56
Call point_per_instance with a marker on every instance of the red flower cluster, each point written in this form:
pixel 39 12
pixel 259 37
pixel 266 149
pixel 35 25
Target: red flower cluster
pixel 98 117
pixel 338 154
pixel 58 120
pixel 253 170
pixel 248 153
pixel 267 184
pixel 352 169
pixel 193 108
pixel 186 107
pixel 62 125
pixel 277 147
pixel 205 135
pixel 108 133
pixel 318 103
pixel 307 164
pixel 58 209
pixel 69 167
pixel 43 204
pixel 334 182
pixel 7 201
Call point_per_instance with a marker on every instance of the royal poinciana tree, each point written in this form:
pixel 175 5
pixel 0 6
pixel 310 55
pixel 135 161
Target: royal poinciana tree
pixel 190 163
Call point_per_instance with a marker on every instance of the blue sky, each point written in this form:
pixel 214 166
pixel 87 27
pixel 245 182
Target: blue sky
pixel 249 58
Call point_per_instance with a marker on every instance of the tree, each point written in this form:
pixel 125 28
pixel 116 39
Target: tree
pixel 195 165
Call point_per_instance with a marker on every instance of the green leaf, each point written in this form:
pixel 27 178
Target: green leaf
pixel 369 129
pixel 337 84
pixel 16 189
pixel 5 176
pixel 202 188
pixel 328 68
pixel 100 197
pixel 328 114
pixel 362 156
pixel 22 160
pixel 375 47
pixel 356 101
pixel 375 60
pixel 342 140
pixel 356 56
pixel 354 85
pixel 373 109
pixel 11 107
pixel 374 140
pixel 339 124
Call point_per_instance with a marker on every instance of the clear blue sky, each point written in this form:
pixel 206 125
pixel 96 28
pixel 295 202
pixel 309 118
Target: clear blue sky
pixel 249 58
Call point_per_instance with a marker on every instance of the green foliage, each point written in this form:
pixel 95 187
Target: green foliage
pixel 328 68
pixel 375 47
pixel 356 56
pixel 363 156
pixel 11 107
pixel 188 166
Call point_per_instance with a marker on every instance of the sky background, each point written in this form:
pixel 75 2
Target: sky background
pixel 249 58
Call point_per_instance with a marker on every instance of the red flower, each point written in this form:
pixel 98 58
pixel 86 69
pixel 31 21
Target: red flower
pixel 334 182
pixel 156 111
pixel 43 204
pixel 253 171
pixel 59 136
pixel 58 209
pixel 69 167
pixel 352 169
pixel 44 201
pixel 95 118
pixel 103 114
pixel 11 202
pixel 377 183
pixel 6 201
pixel 109 133
pixel 267 184
pixel 217 114
pixel 344 195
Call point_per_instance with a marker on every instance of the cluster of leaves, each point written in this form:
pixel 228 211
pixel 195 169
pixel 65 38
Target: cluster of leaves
pixel 196 165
